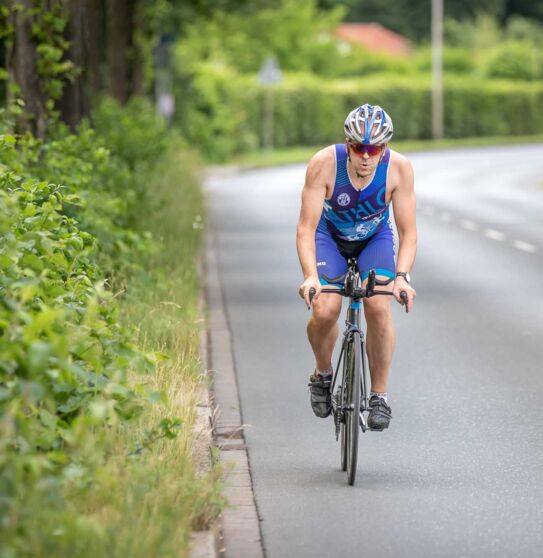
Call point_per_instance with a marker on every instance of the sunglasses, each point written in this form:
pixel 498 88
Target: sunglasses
pixel 361 148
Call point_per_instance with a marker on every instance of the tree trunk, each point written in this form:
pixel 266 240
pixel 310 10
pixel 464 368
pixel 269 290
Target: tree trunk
pixel 119 43
pixel 93 12
pixel 22 69
pixel 73 104
pixel 137 62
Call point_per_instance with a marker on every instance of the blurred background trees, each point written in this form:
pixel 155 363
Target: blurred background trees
pixel 61 54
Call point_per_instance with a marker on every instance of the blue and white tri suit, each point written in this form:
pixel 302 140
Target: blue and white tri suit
pixel 355 223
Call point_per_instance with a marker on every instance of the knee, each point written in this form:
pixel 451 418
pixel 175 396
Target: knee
pixel 377 311
pixel 325 317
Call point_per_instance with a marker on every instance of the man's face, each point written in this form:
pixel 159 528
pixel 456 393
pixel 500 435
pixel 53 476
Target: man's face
pixel 365 158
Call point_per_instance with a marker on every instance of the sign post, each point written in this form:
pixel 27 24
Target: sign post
pixel 437 69
pixel 269 75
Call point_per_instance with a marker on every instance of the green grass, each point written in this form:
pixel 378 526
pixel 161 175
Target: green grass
pixel 151 506
pixel 155 503
pixel 302 154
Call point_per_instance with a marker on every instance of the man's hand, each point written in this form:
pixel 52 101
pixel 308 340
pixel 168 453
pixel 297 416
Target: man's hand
pixel 310 282
pixel 400 284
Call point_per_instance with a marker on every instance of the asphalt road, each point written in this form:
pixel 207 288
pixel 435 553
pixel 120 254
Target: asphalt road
pixel 460 470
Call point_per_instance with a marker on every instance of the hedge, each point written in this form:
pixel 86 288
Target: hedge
pixel 227 109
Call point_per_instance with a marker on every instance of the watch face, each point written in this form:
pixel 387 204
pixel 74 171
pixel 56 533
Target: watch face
pixel 408 277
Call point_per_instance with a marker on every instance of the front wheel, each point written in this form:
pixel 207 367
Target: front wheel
pixel 343 427
pixel 342 402
pixel 352 395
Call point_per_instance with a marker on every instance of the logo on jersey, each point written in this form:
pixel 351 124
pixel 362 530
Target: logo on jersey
pixel 344 199
pixel 363 230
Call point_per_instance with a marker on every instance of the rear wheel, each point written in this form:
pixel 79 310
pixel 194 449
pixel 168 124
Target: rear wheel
pixel 352 416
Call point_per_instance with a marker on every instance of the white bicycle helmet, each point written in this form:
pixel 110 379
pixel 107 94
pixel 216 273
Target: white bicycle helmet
pixel 369 124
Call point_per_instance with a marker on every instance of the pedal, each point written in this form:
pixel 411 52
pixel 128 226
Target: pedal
pixel 337 414
pixel 362 422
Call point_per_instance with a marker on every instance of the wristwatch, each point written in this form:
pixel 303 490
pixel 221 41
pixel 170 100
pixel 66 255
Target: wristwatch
pixel 405 275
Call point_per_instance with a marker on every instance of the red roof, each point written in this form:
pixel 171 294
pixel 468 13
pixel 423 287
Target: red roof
pixel 375 38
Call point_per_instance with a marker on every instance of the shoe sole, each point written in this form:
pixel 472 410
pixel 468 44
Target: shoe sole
pixel 376 429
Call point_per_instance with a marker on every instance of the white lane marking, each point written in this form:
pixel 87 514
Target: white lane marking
pixel 524 246
pixel 493 234
pixel 427 210
pixel 469 225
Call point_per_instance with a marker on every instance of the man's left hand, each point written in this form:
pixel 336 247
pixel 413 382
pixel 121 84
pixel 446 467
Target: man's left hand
pixel 400 284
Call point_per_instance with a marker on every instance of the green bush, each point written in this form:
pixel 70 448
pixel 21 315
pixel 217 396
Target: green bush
pixel 455 60
pixel 513 60
pixel 70 208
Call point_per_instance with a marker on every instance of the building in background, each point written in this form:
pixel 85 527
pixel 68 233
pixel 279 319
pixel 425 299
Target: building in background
pixel 375 38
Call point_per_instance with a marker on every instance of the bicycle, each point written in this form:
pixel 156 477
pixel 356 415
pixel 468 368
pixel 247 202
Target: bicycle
pixel 351 399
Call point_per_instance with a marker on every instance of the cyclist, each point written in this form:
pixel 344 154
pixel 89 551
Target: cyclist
pixel 345 213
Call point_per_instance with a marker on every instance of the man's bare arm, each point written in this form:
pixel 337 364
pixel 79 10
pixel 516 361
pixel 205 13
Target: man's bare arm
pixel 313 195
pixel 404 204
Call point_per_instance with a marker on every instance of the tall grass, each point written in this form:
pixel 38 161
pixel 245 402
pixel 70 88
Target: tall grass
pixel 151 502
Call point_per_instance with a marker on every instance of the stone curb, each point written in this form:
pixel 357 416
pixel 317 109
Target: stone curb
pixel 240 524
pixel 204 544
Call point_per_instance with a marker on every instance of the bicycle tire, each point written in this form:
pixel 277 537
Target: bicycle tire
pixel 353 403
pixel 342 402
pixel 363 380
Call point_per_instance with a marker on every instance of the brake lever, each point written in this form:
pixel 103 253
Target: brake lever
pixel 312 293
pixel 405 299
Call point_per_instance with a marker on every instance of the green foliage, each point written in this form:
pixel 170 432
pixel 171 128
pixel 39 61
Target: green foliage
pixel 456 60
pixel 477 34
pixel 214 114
pixel 135 134
pixel 295 32
pixel 310 111
pixel 48 27
pixel 108 169
pixel 71 217
pixel 48 31
pixel 523 29
pixel 513 60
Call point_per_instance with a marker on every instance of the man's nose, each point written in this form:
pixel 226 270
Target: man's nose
pixel 365 155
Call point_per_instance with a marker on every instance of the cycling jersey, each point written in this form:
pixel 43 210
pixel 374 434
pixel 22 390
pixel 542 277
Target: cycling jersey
pixel 351 214
pixel 355 223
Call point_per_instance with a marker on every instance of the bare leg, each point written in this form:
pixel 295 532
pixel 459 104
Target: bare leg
pixel 322 328
pixel 381 339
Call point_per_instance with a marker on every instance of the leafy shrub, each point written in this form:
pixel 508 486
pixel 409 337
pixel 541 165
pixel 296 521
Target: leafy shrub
pixel 455 60
pixel 513 60
pixel 214 114
pixel 70 212
pixel 108 168
pixel 524 29
pixel 63 356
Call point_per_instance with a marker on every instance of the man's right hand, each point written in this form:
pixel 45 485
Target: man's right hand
pixel 309 283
